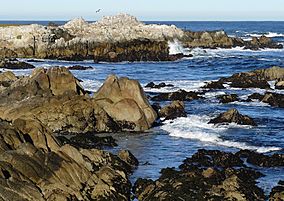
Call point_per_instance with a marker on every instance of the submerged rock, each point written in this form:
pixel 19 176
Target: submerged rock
pixel 207 175
pixel 180 95
pixel 78 67
pixel 233 116
pixel 158 86
pixel 273 99
pixel 227 98
pixel 172 111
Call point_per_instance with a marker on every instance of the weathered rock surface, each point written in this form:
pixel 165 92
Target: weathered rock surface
pixel 125 101
pixel 227 98
pixel 207 175
pixel 233 116
pixel 172 111
pixel 34 167
pixel 180 95
pixel 279 84
pixel 158 86
pixel 277 193
pixel 214 85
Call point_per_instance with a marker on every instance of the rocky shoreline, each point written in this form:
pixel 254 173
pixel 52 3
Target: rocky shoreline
pixel 113 39
pixel 39 161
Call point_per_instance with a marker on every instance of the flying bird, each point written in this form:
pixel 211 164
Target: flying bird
pixel 98 10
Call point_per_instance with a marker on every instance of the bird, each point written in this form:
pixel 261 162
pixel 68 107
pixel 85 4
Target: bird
pixel 98 10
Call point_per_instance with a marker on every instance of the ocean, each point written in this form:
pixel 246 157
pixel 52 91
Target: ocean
pixel 170 144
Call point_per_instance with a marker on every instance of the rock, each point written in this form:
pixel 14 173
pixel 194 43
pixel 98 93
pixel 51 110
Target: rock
pixel 233 116
pixel 227 98
pixel 279 85
pixel 158 86
pixel 214 85
pixel 78 67
pixel 172 111
pixel 277 193
pixel 274 99
pixel 87 141
pixel 128 158
pixel 6 79
pixel 34 167
pixel 6 53
pixel 275 160
pixel 262 42
pixel 35 60
pixel 224 177
pixel 16 65
pixel 255 96
pixel 125 101
pixel 180 95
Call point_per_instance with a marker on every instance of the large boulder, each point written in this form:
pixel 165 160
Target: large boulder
pixel 277 193
pixel 233 116
pixel 126 103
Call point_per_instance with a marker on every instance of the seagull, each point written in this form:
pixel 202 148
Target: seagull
pixel 98 10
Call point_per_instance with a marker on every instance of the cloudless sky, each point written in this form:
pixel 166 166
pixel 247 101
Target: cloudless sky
pixel 188 10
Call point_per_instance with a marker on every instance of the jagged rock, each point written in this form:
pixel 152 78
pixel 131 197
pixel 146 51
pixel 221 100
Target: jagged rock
pixel 6 79
pixel 125 101
pixel 172 111
pixel 180 95
pixel 214 85
pixel 158 86
pixel 277 193
pixel 275 160
pixel 227 98
pixel 128 158
pixel 34 167
pixel 78 67
pixel 208 175
pixel 233 116
pixel 262 42
pixel 274 99
pixel 6 53
pixel 15 65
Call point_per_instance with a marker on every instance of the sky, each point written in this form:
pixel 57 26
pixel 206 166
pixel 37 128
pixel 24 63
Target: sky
pixel 185 10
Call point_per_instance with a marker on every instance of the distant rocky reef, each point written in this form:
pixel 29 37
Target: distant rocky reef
pixel 112 39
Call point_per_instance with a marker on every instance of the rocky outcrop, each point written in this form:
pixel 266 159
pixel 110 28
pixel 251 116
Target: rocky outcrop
pixel 15 65
pixel 158 86
pixel 254 79
pixel 261 43
pixel 279 84
pixel 6 79
pixel 277 193
pixel 172 111
pixel 180 95
pixel 273 99
pixel 214 85
pixel 228 98
pixel 125 101
pixel 56 98
pixel 207 175
pixel 233 116
pixel 34 167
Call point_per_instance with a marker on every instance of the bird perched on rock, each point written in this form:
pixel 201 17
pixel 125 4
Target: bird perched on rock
pixel 98 10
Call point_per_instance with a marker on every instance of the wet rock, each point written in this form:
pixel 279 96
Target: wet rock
pixel 180 95
pixel 262 42
pixel 208 175
pixel 227 98
pixel 277 193
pixel 128 158
pixel 87 141
pixel 35 60
pixel 279 85
pixel 16 65
pixel 78 67
pixel 172 111
pixel 214 85
pixel 255 96
pixel 233 116
pixel 158 86
pixel 275 160
pixel 126 103
pixel 274 99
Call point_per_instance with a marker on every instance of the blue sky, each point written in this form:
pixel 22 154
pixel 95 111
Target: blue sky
pixel 187 10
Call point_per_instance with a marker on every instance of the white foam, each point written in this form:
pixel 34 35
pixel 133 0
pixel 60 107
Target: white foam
pixel 91 85
pixel 176 47
pixel 196 127
pixel 269 35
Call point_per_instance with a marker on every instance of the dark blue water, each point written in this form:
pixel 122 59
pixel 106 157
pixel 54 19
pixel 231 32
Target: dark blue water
pixel 169 145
